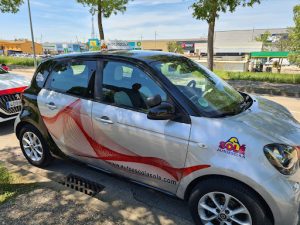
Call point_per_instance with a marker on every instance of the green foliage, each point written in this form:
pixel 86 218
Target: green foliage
pixel 265 77
pixel 17 61
pixel 11 185
pixel 173 46
pixel 5 180
pixel 107 7
pixel 294 58
pixel 264 39
pixel 294 34
pixel 210 10
pixel 294 37
pixel 10 6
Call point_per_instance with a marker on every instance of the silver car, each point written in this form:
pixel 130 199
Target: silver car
pixel 167 122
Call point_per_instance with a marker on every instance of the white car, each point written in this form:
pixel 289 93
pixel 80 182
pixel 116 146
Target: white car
pixel 11 89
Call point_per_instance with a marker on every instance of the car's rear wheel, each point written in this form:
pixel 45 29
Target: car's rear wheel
pixel 34 147
pixel 226 202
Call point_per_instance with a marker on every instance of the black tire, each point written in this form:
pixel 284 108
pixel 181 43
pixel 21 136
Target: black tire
pixel 241 192
pixel 46 157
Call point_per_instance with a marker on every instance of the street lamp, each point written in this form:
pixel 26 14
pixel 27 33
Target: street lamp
pixel 32 36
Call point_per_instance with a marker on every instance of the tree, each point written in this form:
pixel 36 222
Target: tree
pixel 264 38
pixel 294 38
pixel 105 8
pixel 210 11
pixel 10 6
pixel 173 46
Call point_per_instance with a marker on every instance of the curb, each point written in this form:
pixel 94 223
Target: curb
pixel 265 88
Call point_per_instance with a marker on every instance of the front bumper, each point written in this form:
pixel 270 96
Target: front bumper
pixel 7 119
pixel 283 197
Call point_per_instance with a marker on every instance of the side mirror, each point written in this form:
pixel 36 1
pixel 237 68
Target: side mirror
pixel 164 111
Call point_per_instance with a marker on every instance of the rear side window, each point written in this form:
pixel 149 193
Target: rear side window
pixel 42 73
pixel 73 78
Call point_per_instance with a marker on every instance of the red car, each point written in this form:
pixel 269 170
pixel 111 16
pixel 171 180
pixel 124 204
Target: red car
pixel 5 67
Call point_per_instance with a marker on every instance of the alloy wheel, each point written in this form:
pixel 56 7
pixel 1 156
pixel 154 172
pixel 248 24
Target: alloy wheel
pixel 218 208
pixel 32 146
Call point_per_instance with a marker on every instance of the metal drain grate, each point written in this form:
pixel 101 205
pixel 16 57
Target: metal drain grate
pixel 81 184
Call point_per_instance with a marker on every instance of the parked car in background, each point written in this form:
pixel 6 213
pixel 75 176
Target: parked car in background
pixel 5 67
pixel 285 62
pixel 167 122
pixel 11 89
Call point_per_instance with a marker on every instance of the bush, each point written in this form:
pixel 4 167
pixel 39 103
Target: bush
pixel 266 77
pixel 17 61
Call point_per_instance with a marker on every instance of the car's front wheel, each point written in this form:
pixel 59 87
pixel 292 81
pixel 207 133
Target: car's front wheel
pixel 220 201
pixel 34 147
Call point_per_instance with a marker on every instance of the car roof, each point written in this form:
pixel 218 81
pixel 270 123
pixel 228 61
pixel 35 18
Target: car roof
pixel 142 55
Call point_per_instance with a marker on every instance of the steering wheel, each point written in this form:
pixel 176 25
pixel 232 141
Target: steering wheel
pixel 192 84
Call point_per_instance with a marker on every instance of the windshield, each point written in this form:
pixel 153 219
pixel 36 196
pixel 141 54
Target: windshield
pixel 210 94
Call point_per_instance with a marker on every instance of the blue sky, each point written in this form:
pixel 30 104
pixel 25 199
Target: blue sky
pixel 67 20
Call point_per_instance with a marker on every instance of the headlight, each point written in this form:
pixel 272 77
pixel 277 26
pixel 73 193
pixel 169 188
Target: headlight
pixel 283 157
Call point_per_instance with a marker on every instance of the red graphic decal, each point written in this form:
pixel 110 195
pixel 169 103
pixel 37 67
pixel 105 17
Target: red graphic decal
pixel 233 146
pixel 12 91
pixel 107 154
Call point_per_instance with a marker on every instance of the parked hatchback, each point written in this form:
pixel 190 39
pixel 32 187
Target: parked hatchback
pixel 167 122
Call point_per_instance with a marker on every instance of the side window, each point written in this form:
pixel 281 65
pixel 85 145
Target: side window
pixel 127 85
pixel 42 73
pixel 73 77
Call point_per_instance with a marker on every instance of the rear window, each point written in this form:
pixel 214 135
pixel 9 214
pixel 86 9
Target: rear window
pixel 73 77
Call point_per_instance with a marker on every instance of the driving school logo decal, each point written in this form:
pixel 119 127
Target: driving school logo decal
pixel 232 147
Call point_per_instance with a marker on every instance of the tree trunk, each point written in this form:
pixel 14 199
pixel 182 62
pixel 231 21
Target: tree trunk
pixel 100 24
pixel 210 45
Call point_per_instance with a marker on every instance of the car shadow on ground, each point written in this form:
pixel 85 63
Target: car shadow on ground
pixel 7 127
pixel 127 196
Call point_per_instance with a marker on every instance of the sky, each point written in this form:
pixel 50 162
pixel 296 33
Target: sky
pixel 69 21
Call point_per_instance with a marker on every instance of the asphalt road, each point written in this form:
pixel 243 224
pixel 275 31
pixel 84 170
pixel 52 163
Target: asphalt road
pixel 172 210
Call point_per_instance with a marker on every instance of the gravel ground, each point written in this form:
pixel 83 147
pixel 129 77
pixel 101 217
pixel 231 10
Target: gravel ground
pixel 45 206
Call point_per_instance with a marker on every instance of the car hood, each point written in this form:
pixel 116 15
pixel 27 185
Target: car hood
pixel 10 81
pixel 271 120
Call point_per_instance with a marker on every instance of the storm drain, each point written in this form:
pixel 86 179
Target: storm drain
pixel 81 184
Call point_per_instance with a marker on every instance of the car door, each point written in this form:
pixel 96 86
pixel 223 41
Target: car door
pixel 66 108
pixel 126 141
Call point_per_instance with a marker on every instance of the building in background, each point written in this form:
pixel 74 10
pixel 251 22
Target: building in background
pixel 238 44
pixel 162 45
pixel 19 47
pixel 60 48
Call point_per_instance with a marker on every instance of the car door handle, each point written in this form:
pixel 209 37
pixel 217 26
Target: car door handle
pixel 51 106
pixel 104 119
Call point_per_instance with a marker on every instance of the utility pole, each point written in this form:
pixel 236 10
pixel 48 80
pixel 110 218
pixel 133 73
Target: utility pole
pixel 93 11
pixel 155 38
pixel 32 36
